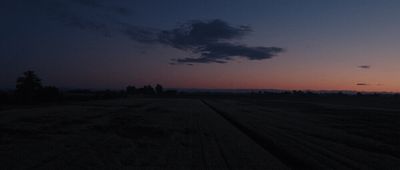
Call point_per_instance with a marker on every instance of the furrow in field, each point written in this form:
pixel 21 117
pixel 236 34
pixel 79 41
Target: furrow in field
pixel 268 144
pixel 308 136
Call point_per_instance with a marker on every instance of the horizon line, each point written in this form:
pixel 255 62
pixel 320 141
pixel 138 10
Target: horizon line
pixel 244 90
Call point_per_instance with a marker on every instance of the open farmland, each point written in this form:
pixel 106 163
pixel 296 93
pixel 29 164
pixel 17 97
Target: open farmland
pixel 192 133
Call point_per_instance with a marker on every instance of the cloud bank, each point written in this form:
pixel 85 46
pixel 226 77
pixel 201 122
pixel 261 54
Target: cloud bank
pixel 213 41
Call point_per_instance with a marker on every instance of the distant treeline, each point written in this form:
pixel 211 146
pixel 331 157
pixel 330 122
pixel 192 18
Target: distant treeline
pixel 29 90
pixel 295 94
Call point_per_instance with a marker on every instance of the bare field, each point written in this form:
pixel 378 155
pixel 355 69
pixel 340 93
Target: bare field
pixel 199 134
pixel 307 135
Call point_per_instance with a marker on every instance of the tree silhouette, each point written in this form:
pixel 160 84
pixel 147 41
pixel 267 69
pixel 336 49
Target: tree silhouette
pixel 149 90
pixel 159 89
pixel 28 86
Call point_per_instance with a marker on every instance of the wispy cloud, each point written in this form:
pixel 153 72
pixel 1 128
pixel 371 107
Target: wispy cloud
pixel 364 66
pixel 362 84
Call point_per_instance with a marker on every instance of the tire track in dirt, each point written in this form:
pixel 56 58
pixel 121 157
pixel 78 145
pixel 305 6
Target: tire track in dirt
pixel 203 155
pixel 267 144
pixel 221 151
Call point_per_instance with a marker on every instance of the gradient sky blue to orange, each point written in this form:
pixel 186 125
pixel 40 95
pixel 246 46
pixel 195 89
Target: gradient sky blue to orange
pixel 325 42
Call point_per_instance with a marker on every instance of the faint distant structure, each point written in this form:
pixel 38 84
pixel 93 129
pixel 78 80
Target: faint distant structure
pixel 159 89
pixel 28 86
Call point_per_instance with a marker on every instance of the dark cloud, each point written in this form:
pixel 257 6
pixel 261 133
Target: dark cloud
pixel 198 60
pixel 227 50
pixel 364 66
pixel 223 52
pixel 362 84
pixel 212 40
pixel 195 34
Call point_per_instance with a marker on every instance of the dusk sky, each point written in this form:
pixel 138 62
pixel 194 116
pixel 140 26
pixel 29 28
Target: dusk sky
pixel 225 44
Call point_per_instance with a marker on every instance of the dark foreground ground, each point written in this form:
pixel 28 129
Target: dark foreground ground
pixel 201 133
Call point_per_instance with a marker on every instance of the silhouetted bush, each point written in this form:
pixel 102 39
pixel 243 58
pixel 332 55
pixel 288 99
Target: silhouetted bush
pixel 147 90
pixel 28 87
